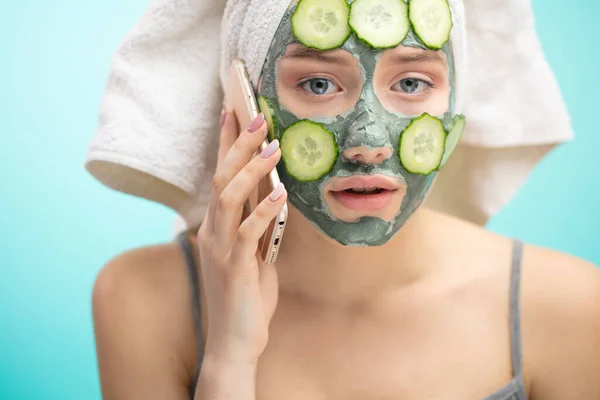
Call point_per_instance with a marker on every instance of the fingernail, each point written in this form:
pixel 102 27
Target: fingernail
pixel 256 123
pixel 270 149
pixel 223 116
pixel 277 192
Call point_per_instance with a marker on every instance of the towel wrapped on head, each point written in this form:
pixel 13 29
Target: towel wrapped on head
pixel 159 117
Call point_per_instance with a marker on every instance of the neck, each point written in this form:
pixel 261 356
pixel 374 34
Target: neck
pixel 315 267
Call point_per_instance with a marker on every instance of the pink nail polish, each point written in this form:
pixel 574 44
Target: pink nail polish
pixel 270 149
pixel 256 123
pixel 223 116
pixel 277 192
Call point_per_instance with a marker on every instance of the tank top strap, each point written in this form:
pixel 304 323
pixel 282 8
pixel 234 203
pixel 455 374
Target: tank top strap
pixel 192 270
pixel 515 310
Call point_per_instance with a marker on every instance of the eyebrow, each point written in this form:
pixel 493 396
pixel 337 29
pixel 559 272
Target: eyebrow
pixel 317 55
pixel 425 56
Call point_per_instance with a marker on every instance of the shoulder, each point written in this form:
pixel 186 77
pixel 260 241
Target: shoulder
pixel 558 288
pixel 560 296
pixel 142 315
pixel 555 276
pixel 139 272
pixel 560 312
pixel 150 278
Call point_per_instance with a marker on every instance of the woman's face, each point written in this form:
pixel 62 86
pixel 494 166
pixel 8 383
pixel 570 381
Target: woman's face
pixel 366 98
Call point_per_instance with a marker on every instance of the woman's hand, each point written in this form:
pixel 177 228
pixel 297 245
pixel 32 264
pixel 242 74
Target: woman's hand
pixel 241 290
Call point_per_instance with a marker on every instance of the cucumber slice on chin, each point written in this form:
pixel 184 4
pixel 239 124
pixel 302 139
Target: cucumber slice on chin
pixel 308 150
pixel 422 145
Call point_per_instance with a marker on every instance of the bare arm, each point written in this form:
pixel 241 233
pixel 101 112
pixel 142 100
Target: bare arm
pixel 240 289
pixel 143 329
pixel 141 336
pixel 562 322
pixel 145 338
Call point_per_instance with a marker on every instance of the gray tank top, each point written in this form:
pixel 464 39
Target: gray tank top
pixel 514 390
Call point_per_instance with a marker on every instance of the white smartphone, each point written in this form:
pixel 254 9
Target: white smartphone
pixel 239 97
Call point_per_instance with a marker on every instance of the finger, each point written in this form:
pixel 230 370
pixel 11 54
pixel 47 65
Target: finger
pixel 253 227
pixel 238 155
pixel 228 136
pixel 229 133
pixel 244 146
pixel 234 196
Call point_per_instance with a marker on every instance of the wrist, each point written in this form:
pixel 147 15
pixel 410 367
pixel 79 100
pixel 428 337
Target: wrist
pixel 230 359
pixel 232 352
pixel 226 378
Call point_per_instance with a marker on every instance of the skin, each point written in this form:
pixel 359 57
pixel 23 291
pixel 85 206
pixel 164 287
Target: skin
pixel 424 315
pixel 416 318
pixel 146 345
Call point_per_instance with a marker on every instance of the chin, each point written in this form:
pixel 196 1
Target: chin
pixel 365 231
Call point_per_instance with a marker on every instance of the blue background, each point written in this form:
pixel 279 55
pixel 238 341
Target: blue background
pixel 58 226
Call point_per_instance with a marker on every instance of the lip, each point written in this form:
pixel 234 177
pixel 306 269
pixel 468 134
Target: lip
pixel 336 190
pixel 364 202
pixel 338 184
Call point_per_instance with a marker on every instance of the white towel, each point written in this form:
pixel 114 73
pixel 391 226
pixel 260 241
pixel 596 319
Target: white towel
pixel 158 130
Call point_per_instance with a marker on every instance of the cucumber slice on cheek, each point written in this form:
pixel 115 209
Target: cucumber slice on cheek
pixel 321 24
pixel 422 145
pixel 454 137
pixel 431 21
pixel 380 23
pixel 308 150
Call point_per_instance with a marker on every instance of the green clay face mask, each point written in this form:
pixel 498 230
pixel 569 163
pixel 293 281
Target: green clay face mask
pixel 368 126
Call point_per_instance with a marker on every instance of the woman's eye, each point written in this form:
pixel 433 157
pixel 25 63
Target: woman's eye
pixel 319 86
pixel 411 86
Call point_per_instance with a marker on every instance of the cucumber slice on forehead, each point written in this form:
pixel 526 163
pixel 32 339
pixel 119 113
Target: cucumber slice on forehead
pixel 308 150
pixel 266 107
pixel 422 145
pixel 321 24
pixel 454 137
pixel 380 23
pixel 431 21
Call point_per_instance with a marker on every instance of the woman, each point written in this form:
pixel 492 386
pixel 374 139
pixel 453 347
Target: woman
pixel 372 295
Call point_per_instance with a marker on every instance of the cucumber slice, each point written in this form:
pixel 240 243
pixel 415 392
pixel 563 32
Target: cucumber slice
pixel 422 144
pixel 321 24
pixel 308 150
pixel 454 137
pixel 266 107
pixel 431 21
pixel 381 24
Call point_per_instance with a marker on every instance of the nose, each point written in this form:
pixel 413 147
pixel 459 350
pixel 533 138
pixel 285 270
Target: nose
pixel 367 141
pixel 361 154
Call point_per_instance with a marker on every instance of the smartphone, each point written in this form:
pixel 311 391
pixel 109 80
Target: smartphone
pixel 239 97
